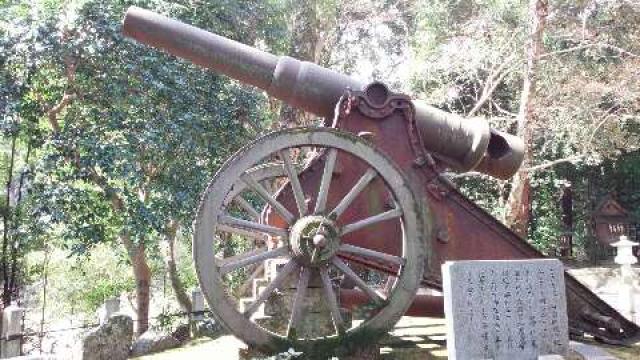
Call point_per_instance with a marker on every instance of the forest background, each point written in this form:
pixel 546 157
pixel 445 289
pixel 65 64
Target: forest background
pixel 106 144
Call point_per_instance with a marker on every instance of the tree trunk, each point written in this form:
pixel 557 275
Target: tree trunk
pixel 170 262
pixel 566 205
pixel 304 30
pixel 7 288
pixel 136 252
pixel 142 276
pixel 519 201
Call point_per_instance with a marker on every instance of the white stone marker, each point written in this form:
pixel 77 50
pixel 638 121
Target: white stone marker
pixel 110 307
pixel 505 309
pixel 197 304
pixel 11 342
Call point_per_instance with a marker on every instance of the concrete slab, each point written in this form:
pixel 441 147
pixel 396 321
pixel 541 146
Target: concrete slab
pixel 589 352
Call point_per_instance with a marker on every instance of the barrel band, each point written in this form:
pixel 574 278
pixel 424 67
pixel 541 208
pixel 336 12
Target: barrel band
pixel 285 78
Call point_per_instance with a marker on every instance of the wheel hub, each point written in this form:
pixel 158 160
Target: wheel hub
pixel 314 240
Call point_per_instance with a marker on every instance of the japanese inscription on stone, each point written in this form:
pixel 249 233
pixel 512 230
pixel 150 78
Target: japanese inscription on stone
pixel 505 309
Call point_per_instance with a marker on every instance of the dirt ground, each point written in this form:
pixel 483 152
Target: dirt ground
pixel 413 338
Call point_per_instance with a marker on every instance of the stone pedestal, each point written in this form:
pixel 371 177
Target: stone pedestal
pixel 316 320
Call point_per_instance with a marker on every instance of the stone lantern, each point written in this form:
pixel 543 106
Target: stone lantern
pixel 624 251
pixel 625 258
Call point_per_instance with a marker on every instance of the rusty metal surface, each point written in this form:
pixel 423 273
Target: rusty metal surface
pixel 466 232
pixel 462 144
pixel 423 305
pixel 463 230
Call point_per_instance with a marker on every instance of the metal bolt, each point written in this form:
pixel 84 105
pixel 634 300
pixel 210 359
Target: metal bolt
pixel 319 240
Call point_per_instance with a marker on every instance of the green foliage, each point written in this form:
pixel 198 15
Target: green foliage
pixel 545 208
pixel 184 261
pixel 141 132
pixel 152 129
pixel 123 137
pixel 586 101
pixel 78 285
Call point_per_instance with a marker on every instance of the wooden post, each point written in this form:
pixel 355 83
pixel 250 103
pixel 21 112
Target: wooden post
pixel 566 237
pixel 11 343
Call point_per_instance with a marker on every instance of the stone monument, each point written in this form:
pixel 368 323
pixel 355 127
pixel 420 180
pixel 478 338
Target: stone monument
pixel 110 341
pixel 197 305
pixel 505 309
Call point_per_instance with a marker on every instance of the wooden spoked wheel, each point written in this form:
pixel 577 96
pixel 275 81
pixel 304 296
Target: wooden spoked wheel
pixel 308 241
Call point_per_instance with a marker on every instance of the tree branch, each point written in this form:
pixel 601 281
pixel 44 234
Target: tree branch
pixel 603 119
pixel 52 113
pixel 586 46
pixel 491 84
pixel 500 109
pixel 607 114
pixel 553 163
pixel 67 97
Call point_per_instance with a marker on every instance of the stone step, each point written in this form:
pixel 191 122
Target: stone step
pixel 245 303
pixel 259 283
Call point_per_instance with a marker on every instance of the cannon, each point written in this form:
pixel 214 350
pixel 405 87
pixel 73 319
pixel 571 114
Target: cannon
pixel 349 221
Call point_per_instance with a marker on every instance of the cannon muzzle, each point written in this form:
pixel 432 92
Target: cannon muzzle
pixel 462 143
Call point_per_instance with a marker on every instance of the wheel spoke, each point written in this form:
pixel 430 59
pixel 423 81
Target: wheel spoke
pixel 295 182
pixel 329 164
pixel 257 176
pixel 332 301
pixel 268 185
pixel 353 193
pixel 388 285
pixel 247 207
pixel 275 284
pixel 250 257
pixel 233 223
pixel 387 215
pixel 346 270
pixel 242 232
pixel 296 309
pixel 264 194
pixel 372 254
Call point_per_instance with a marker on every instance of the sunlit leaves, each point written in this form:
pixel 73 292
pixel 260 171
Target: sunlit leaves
pixel 150 127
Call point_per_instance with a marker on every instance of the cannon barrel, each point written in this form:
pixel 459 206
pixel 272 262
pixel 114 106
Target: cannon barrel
pixel 464 144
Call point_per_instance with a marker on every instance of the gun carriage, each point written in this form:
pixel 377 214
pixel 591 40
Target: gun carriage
pixel 366 191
